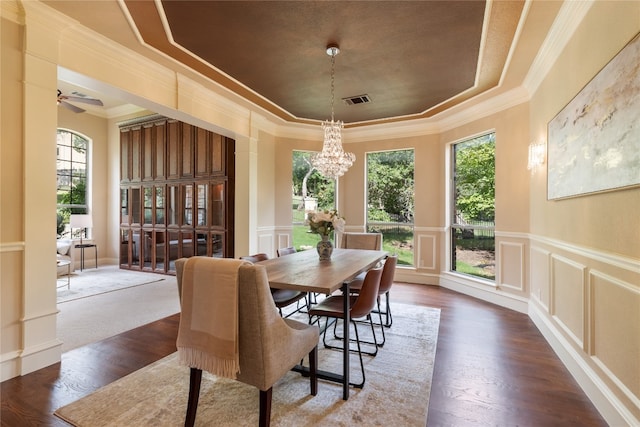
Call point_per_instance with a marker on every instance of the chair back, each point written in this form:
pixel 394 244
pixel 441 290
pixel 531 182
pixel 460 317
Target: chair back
pixel 261 330
pixel 255 257
pixel 371 241
pixel 286 251
pixel 388 271
pixel 366 300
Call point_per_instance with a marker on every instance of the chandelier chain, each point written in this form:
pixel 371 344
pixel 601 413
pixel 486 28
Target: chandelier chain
pixel 333 78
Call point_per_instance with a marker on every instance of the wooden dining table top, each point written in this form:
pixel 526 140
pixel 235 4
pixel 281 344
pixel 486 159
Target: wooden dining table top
pixel 303 270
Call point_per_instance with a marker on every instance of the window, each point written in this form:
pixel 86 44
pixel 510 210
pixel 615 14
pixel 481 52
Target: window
pixel 310 191
pixel 390 201
pixel 473 207
pixel 72 172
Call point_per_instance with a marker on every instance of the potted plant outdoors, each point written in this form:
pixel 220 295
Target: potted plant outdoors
pixel 323 223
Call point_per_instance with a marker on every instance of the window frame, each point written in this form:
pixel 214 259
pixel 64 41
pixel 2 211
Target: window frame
pixel 377 226
pixel 65 209
pixel 453 225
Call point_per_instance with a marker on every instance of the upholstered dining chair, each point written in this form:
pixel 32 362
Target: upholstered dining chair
pixel 268 346
pixel 371 241
pixel 281 297
pixel 286 251
pixel 386 281
pixel 360 307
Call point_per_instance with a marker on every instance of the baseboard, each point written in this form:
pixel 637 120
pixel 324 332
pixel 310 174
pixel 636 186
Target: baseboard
pixel 483 292
pixel 605 401
pixel 9 365
pixel 17 363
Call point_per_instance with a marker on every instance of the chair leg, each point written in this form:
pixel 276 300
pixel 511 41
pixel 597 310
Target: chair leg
pixel 195 379
pixel 359 385
pixel 265 407
pixel 313 370
pixel 388 312
pixel 375 342
pixel 382 326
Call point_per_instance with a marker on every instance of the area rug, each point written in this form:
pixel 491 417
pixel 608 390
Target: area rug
pixel 96 317
pixel 396 392
pixel 104 279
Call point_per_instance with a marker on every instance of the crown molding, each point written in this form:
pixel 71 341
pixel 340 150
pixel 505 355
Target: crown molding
pixel 565 25
pixel 12 11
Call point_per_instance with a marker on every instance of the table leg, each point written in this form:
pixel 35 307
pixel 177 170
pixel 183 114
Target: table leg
pixel 345 353
pixel 96 249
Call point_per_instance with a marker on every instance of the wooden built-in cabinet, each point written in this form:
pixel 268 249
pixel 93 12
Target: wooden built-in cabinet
pixel 176 193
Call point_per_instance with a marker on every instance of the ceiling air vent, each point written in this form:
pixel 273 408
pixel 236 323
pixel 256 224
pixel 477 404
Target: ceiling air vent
pixel 354 100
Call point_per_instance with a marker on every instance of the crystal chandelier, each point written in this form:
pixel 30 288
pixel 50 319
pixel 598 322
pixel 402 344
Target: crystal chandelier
pixel 332 162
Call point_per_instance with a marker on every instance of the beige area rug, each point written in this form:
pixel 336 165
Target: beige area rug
pixel 89 282
pixel 396 391
pixel 95 317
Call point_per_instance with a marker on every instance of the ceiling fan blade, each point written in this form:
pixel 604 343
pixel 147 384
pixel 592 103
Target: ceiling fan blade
pixel 71 107
pixel 91 101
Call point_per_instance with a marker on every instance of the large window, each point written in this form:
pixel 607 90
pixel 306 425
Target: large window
pixel 72 172
pixel 390 201
pixel 473 207
pixel 311 191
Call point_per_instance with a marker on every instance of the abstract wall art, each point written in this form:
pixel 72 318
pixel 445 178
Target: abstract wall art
pixel 594 142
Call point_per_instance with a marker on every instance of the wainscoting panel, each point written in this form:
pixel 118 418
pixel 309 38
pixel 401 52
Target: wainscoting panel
pixel 539 275
pixel 265 244
pixel 615 329
pixel 427 251
pixel 511 265
pixel 284 240
pixel 568 291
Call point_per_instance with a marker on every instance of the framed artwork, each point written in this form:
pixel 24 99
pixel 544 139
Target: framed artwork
pixel 593 144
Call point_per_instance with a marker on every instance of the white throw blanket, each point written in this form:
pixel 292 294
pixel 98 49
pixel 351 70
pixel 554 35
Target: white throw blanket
pixel 208 331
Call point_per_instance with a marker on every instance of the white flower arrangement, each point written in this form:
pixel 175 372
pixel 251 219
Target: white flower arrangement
pixel 324 222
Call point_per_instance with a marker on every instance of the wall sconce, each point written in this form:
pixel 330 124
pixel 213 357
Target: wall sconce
pixel 537 154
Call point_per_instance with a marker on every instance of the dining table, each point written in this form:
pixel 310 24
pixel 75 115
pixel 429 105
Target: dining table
pixel 304 271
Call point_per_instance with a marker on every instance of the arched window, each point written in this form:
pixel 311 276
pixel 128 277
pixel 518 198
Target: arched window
pixel 72 167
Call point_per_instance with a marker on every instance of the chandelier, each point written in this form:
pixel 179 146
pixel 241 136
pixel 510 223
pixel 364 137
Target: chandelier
pixel 332 162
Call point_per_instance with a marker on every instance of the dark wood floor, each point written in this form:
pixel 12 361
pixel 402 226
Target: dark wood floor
pixel 492 368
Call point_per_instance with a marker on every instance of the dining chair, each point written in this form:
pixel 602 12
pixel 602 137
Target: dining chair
pixel 371 241
pixel 286 251
pixel 386 281
pixel 268 346
pixel 360 307
pixel 281 297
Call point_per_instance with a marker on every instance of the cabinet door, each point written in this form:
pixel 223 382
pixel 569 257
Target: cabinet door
pixel 159 252
pixel 125 156
pixel 126 247
pixel 159 206
pixel 203 149
pixel 187 150
pixel 159 150
pixel 173 149
pixel 147 153
pixel 217 204
pixel 135 202
pixel 147 205
pixel 172 205
pixel 187 204
pixel 217 154
pixel 136 149
pixel 202 205
pixel 124 206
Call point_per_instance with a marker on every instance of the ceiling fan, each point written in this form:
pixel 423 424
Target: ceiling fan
pixel 77 97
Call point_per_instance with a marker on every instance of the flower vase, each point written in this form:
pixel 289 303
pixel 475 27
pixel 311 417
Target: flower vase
pixel 325 248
